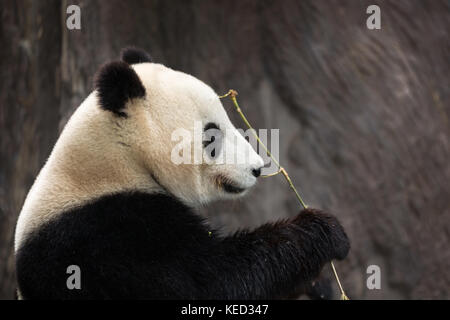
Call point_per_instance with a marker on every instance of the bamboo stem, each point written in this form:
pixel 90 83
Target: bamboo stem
pixel 233 93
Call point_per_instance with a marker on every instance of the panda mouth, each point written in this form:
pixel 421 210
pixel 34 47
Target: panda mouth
pixel 228 186
pixel 232 188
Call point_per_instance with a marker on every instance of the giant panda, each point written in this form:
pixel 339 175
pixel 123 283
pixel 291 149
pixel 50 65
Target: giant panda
pixel 111 201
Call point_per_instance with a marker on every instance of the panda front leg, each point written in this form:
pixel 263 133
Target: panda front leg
pixel 273 261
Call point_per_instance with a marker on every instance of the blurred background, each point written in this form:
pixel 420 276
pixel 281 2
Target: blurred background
pixel 363 114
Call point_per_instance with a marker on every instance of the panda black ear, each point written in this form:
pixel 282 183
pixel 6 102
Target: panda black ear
pixel 132 55
pixel 116 83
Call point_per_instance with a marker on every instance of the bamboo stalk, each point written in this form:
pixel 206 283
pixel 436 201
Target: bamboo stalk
pixel 233 93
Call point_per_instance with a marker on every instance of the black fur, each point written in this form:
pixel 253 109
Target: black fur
pixel 132 55
pixel 320 289
pixel 116 83
pixel 136 245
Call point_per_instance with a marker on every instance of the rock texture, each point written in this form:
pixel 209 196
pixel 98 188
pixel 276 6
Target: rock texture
pixel 363 115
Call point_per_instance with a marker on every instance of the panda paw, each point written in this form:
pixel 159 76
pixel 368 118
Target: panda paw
pixel 326 233
pixel 320 289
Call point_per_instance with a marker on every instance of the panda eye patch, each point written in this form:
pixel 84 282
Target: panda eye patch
pixel 211 131
pixel 212 139
pixel 211 125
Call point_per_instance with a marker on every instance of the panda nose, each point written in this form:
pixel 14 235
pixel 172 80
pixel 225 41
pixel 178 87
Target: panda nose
pixel 256 172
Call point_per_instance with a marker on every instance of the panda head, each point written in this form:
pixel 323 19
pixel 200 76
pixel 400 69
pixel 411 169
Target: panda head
pixel 175 128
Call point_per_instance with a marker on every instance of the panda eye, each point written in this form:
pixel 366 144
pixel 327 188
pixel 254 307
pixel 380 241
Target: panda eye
pixel 212 134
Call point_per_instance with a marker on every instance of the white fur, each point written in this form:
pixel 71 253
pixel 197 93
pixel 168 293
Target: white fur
pixel 100 153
